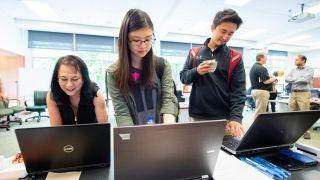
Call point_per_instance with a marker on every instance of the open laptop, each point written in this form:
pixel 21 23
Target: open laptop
pixel 64 148
pixel 167 151
pixel 272 131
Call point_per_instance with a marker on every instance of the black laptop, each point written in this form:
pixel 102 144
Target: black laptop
pixel 64 148
pixel 272 131
pixel 168 151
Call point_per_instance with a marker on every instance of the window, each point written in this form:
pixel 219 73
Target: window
pixel 174 48
pixel 94 43
pixel 98 52
pixel 50 40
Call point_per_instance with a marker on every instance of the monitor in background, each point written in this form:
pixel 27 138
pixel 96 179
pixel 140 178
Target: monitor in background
pixel 314 94
pixel 280 88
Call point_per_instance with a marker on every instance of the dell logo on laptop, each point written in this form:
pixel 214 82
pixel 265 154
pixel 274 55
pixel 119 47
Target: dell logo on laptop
pixel 68 148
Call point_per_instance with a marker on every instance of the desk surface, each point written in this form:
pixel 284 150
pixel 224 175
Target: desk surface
pixel 227 167
pixel 281 101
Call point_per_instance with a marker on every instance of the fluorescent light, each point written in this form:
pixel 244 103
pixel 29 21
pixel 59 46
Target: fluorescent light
pixel 252 33
pixel 236 2
pixel 42 9
pixel 296 39
pixel 314 9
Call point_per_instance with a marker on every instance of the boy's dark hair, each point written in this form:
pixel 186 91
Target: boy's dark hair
pixel 227 15
pixel 304 58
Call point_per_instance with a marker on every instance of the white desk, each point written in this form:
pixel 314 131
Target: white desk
pixel 229 167
pixel 283 104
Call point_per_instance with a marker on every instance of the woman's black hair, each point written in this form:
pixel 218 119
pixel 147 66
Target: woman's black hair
pixel 58 95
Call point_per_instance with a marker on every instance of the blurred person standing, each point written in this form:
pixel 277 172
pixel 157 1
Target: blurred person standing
pixel 300 78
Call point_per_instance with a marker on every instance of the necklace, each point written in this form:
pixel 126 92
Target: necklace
pixel 75 112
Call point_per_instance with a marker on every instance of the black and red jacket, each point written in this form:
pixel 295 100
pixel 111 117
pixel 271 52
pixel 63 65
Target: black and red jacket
pixel 213 95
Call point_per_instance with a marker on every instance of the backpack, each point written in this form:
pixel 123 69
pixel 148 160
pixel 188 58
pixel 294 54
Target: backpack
pixel 235 58
pixel 160 71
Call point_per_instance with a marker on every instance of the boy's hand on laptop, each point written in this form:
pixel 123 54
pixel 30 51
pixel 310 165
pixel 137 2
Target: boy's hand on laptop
pixel 169 119
pixel 234 128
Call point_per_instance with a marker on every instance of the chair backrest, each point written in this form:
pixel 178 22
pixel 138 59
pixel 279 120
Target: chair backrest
pixel 40 98
pixel 2 104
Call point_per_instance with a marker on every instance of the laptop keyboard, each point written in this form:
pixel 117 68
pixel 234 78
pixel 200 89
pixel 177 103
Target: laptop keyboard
pixel 230 142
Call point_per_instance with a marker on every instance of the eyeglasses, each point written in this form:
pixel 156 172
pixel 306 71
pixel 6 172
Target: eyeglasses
pixel 138 43
pixel 64 81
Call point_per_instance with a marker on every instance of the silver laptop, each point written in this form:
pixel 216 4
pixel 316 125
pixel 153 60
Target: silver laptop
pixel 167 151
pixel 64 148
pixel 272 131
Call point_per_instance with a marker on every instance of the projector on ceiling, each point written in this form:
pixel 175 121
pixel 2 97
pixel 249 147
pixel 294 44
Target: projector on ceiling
pixel 302 17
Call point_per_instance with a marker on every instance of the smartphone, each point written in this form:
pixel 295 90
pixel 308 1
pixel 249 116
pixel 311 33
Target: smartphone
pixel 213 64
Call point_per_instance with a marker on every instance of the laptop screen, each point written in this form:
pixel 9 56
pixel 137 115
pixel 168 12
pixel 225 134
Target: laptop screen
pixel 175 151
pixel 277 129
pixel 64 147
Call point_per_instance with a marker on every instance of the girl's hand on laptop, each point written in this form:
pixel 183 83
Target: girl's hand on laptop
pixel 235 129
pixel 169 119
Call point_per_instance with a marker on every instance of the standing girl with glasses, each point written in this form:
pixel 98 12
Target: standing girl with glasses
pixel 74 98
pixel 138 94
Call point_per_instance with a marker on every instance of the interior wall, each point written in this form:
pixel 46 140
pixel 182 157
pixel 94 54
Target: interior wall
pixel 9 73
pixel 291 61
pixel 313 60
pixel 12 38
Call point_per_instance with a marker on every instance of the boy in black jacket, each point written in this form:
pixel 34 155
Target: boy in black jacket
pixel 216 95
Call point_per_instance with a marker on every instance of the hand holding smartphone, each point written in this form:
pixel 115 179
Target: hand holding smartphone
pixel 212 63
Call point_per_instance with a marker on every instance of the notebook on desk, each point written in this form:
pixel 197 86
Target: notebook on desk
pixel 272 131
pixel 167 151
pixel 64 148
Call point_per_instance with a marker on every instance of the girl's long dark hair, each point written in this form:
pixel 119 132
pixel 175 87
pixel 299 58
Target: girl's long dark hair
pixel 58 95
pixel 135 19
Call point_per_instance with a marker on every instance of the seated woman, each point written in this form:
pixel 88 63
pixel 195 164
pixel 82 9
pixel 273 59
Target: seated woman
pixel 74 98
pixel 138 94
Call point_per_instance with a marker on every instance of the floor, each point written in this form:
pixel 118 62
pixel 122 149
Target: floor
pixel 9 145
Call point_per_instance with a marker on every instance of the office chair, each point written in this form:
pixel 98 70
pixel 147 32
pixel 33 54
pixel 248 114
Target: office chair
pixel 4 111
pixel 16 109
pixel 249 100
pixel 40 105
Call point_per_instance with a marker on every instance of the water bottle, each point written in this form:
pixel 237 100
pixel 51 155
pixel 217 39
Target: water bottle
pixel 150 120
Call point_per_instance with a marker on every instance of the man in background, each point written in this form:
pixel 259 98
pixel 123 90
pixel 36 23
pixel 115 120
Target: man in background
pixel 300 78
pixel 261 84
